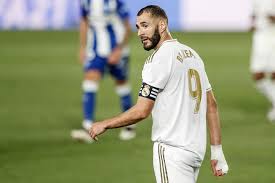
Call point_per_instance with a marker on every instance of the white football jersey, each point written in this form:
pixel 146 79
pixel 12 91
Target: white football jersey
pixel 179 113
pixel 262 9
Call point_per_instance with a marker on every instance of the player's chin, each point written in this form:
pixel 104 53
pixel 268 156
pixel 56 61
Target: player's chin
pixel 147 47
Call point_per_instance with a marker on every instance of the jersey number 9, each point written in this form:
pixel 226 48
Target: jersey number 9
pixel 195 88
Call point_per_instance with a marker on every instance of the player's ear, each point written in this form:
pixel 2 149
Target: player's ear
pixel 162 26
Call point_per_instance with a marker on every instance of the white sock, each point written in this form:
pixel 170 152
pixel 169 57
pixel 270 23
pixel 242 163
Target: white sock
pixel 265 87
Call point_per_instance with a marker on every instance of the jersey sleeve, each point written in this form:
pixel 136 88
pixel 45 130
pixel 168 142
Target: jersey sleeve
pixel 122 10
pixel 83 8
pixel 156 71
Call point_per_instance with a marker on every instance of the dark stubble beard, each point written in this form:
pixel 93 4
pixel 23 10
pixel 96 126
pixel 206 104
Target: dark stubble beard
pixel 154 39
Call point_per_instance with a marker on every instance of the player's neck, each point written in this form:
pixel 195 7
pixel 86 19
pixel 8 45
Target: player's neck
pixel 166 36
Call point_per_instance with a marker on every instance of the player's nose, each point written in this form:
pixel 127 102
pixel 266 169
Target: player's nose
pixel 140 32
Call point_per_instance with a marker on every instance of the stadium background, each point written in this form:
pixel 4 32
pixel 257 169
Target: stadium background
pixel 40 95
pixel 192 15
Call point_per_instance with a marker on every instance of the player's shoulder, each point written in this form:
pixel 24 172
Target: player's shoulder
pixel 169 45
pixel 190 51
pixel 166 49
pixel 174 46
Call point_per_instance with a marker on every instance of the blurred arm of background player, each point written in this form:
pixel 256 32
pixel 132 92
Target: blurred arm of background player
pixel 218 163
pixel 115 56
pixel 83 28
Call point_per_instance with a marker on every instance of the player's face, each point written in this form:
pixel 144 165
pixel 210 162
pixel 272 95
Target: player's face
pixel 148 31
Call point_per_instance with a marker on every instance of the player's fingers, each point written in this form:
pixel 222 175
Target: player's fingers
pixel 114 58
pixel 90 132
pixel 213 166
pixel 112 61
pixel 93 134
pixel 219 173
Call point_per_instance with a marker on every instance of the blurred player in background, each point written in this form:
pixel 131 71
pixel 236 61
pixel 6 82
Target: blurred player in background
pixel 104 34
pixel 263 50
pixel 176 90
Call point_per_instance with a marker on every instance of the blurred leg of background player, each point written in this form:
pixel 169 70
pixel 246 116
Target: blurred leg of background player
pixel 123 90
pixel 263 68
pixel 267 87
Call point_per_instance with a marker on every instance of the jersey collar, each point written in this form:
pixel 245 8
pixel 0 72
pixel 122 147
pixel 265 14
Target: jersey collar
pixel 168 41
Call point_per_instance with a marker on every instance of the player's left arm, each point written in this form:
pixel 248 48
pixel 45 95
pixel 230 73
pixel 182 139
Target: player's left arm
pixel 117 51
pixel 218 162
pixel 125 40
pixel 141 110
pixel 124 13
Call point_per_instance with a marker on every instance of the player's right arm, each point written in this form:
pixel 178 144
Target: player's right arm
pixel 218 162
pixel 83 28
pixel 141 110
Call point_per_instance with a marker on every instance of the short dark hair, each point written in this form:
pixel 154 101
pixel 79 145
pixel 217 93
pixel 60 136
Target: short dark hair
pixel 154 10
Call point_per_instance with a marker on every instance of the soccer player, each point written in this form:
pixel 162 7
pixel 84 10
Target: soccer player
pixel 175 88
pixel 263 53
pixel 104 34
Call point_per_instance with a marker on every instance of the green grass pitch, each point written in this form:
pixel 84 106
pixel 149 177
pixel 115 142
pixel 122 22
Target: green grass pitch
pixel 40 103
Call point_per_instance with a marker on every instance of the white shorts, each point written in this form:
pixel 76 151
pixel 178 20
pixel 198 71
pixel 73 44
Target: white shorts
pixel 263 52
pixel 174 165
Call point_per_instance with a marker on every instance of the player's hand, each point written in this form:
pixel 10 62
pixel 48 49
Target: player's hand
pixel 218 163
pixel 115 56
pixel 82 55
pixel 218 169
pixel 97 129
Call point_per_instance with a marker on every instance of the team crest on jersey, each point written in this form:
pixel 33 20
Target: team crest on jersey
pixel 145 91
